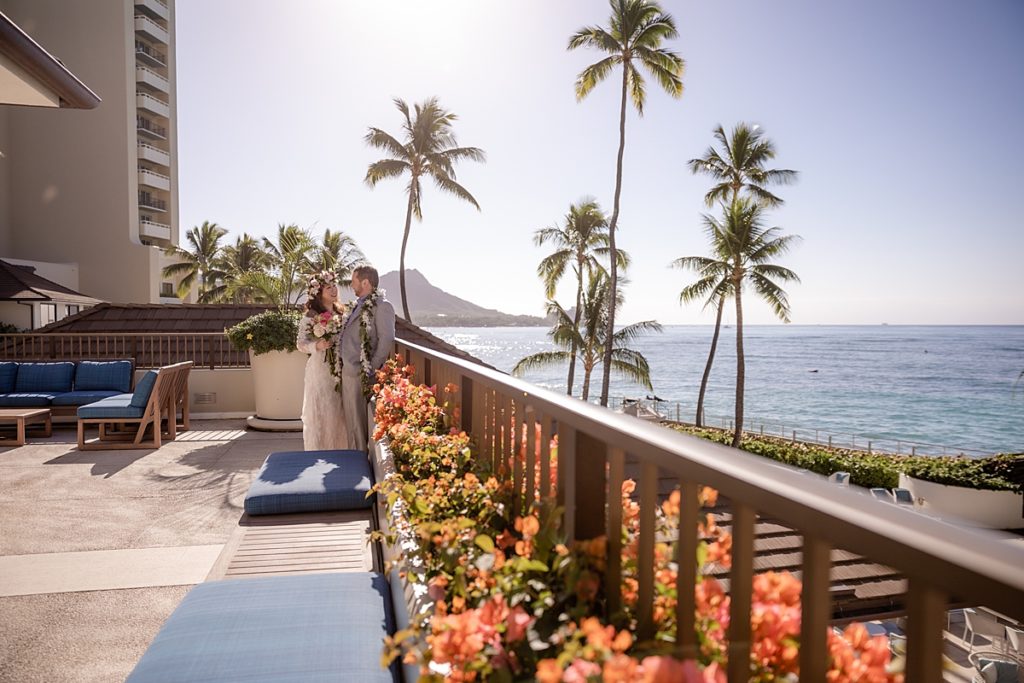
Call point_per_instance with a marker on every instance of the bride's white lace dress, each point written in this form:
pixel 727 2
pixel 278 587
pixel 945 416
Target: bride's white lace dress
pixel 323 419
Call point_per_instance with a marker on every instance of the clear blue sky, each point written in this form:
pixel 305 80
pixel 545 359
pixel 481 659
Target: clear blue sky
pixel 903 118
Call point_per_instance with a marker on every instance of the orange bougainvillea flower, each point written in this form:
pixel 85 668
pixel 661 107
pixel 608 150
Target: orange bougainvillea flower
pixel 549 671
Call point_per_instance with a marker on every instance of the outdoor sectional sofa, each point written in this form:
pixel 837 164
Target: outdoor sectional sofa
pixel 62 386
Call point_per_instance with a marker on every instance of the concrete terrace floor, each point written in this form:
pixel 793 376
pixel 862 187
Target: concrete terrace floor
pixel 97 548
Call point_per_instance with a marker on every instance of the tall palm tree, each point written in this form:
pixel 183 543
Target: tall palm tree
pixel 635 33
pixel 198 263
pixel 288 257
pixel 339 252
pixel 590 338
pixel 579 244
pixel 741 166
pixel 429 149
pixel 715 286
pixel 749 248
pixel 236 259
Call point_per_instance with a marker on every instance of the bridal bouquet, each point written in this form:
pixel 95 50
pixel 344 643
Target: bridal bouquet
pixel 327 326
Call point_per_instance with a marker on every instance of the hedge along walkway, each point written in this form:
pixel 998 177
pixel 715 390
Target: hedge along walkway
pixel 165 514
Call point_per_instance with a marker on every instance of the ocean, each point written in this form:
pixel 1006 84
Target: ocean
pixel 933 389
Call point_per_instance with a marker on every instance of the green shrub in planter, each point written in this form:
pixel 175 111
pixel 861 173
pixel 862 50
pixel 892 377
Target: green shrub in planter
pixel 999 473
pixel 269 331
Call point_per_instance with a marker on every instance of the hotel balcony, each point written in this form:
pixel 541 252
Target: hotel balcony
pixel 151 30
pixel 155 180
pixel 148 55
pixel 154 154
pixel 152 79
pixel 155 231
pixel 154 8
pixel 152 105
pixel 149 201
pixel 150 129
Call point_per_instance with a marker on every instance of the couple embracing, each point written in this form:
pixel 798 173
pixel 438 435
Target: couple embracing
pixel 347 345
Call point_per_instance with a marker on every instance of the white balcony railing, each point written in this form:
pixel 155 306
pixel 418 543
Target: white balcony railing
pixel 151 29
pixel 150 56
pixel 154 154
pixel 153 230
pixel 154 8
pixel 154 179
pixel 152 79
pixel 152 104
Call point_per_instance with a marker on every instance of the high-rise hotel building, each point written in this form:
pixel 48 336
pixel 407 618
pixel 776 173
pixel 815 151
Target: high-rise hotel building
pixel 93 193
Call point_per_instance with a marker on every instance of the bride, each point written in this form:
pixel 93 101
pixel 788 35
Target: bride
pixel 323 419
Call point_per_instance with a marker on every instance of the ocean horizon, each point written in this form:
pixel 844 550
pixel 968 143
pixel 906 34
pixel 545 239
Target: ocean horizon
pixel 934 388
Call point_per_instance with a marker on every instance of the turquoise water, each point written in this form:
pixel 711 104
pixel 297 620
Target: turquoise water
pixel 951 387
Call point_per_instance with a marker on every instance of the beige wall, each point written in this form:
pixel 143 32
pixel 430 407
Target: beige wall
pixel 231 388
pixel 5 185
pixel 71 176
pixel 16 314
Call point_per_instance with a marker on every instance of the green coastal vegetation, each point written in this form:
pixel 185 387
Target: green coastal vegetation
pixel 1003 472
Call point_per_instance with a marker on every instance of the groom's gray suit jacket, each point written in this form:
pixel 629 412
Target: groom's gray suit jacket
pixel 382 337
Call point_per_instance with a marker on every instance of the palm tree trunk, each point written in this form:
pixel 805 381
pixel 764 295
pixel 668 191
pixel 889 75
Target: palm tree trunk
pixel 586 382
pixel 576 327
pixel 738 431
pixel 401 261
pixel 707 368
pixel 606 369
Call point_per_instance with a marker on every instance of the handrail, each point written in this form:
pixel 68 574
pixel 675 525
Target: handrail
pixel 942 560
pixel 139 93
pixel 151 172
pixel 139 67
pixel 148 20
pixel 210 350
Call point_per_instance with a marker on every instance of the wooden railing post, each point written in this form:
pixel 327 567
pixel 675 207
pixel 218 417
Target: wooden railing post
pixel 741 589
pixel 686 578
pixel 816 608
pixel 590 485
pixel 567 478
pixel 926 615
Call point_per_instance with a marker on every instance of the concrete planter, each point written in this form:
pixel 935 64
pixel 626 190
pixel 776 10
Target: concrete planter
pixel 277 378
pixel 975 507
pixel 409 596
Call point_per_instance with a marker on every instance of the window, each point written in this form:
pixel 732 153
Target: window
pixel 73 308
pixel 167 289
pixel 47 314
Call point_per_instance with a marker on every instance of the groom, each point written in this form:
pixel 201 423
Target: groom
pixel 372 315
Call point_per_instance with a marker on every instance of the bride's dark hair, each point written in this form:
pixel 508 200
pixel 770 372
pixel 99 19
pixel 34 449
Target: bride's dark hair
pixel 315 305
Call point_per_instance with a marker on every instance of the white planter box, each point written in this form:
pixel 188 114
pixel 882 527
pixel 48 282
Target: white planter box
pixel 974 507
pixel 277 379
pixel 408 588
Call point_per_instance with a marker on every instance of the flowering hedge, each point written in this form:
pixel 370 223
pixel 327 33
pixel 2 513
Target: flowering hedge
pixel 512 601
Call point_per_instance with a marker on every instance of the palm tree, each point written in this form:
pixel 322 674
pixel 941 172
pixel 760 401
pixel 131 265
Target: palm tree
pixel 715 284
pixel 198 262
pixel 636 30
pixel 741 166
pixel 579 244
pixel 236 259
pixel 429 149
pixel 749 247
pixel 590 339
pixel 287 259
pixel 338 252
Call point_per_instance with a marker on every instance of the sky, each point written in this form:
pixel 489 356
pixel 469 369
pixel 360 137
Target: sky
pixel 903 120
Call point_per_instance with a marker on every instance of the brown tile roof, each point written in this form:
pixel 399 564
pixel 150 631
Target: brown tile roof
pixel 20 283
pixel 142 318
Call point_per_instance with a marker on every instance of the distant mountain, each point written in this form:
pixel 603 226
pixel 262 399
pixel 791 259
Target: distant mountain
pixel 431 306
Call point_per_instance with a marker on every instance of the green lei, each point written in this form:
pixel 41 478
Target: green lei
pixel 367 376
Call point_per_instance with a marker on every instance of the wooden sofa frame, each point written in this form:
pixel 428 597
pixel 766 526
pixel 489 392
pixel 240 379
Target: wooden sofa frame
pixel 169 396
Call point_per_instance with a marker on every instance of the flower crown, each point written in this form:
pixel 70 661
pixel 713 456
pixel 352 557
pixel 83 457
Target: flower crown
pixel 317 281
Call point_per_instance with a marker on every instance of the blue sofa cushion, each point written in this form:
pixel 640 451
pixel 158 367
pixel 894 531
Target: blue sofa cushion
pixel 311 481
pixel 112 407
pixel 115 375
pixel 80 398
pixel 282 629
pixel 44 377
pixel 26 399
pixel 8 374
pixel 144 389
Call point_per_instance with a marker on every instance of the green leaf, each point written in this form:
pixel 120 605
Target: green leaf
pixel 485 543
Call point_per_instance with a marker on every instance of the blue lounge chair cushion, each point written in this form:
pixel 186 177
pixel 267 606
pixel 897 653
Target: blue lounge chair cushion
pixel 282 629
pixel 143 390
pixel 112 407
pixel 44 377
pixel 8 374
pixel 311 481
pixel 29 399
pixel 115 375
pixel 81 398
pixel 998 670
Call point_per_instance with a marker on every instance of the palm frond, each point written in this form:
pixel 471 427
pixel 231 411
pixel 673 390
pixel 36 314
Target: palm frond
pixel 540 360
pixel 594 74
pixel 384 169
